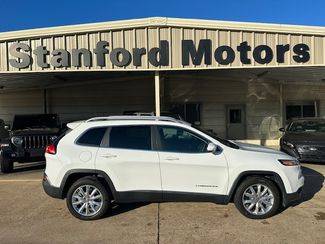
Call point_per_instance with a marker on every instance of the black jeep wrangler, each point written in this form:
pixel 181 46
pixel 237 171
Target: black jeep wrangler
pixel 27 139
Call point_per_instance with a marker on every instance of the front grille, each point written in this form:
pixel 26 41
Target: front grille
pixel 321 148
pixel 36 141
pixel 311 149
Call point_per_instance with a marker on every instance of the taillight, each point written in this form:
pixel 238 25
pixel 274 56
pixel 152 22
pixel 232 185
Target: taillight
pixel 50 149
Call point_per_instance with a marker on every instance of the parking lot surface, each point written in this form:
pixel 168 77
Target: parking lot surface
pixel 28 215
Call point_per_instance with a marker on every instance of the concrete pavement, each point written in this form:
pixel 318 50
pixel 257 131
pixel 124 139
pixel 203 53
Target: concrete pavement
pixel 28 215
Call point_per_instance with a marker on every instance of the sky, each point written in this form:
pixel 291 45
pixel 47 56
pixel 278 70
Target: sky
pixel 19 15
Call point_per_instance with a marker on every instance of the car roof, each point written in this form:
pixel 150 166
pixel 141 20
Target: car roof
pixel 127 120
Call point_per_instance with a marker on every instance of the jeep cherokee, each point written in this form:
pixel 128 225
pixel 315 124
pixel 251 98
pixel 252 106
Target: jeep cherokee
pixel 125 159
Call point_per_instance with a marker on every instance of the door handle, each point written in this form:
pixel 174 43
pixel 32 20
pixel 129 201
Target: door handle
pixel 172 158
pixel 108 156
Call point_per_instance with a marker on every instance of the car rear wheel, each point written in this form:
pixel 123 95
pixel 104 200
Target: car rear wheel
pixel 6 165
pixel 257 198
pixel 88 199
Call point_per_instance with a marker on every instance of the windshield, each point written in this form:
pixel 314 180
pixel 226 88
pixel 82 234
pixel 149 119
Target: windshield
pixel 307 126
pixel 35 121
pixel 214 136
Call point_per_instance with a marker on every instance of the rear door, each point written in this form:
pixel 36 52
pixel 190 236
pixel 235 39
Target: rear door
pixel 186 166
pixel 127 156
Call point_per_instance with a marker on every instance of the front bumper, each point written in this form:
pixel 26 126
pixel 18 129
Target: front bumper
pixel 52 191
pixel 313 158
pixel 293 197
pixel 305 156
pixel 292 152
pixel 22 155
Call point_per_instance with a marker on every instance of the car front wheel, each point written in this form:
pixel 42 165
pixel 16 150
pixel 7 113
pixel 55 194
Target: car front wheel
pixel 6 165
pixel 257 198
pixel 88 199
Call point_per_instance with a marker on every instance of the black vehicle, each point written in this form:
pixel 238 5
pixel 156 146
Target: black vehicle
pixel 305 139
pixel 27 139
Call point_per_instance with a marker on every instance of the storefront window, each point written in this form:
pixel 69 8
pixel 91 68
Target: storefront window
pixel 302 110
pixel 235 116
pixel 190 112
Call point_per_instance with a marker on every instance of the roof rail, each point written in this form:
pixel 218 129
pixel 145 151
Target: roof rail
pixel 135 117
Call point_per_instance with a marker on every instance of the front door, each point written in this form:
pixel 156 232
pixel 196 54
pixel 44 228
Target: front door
pixel 236 122
pixel 186 166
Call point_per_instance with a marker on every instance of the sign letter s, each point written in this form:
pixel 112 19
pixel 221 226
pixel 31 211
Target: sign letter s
pixel 24 60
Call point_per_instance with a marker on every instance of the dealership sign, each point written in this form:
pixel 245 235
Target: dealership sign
pixel 203 53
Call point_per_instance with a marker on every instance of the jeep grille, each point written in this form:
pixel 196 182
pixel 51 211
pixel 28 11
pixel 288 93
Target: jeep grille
pixel 37 141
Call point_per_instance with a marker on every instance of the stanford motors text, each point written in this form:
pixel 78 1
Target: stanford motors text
pixel 157 56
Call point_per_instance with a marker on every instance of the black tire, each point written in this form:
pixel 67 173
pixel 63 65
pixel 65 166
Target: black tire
pixel 91 181
pixel 250 181
pixel 6 165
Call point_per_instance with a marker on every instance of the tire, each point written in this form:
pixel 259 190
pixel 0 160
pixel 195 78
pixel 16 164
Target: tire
pixel 6 165
pixel 248 203
pixel 75 196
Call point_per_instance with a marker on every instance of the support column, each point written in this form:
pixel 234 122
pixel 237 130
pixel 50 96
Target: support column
pixel 45 101
pixel 281 105
pixel 157 93
pixel 316 108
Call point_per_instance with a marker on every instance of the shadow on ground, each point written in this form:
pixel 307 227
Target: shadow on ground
pixel 123 208
pixel 313 183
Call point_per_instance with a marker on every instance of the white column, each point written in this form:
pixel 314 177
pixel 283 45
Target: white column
pixel 157 93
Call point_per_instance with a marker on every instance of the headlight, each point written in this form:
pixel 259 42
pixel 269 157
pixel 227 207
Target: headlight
pixel 302 149
pixel 289 162
pixel 53 138
pixel 288 144
pixel 17 141
pixel 306 149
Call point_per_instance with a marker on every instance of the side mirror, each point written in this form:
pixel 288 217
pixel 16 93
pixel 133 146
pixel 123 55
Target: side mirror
pixel 213 148
pixel 282 129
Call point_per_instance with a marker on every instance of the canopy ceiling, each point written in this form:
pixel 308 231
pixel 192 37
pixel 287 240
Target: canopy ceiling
pixel 33 80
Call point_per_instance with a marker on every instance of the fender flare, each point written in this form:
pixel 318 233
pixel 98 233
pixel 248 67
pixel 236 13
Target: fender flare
pixel 268 174
pixel 87 172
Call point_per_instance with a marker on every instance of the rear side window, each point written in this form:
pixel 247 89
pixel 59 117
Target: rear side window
pixel 130 137
pixel 92 137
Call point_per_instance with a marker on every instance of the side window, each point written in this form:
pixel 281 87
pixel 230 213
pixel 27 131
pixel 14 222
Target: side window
pixel 92 137
pixel 130 137
pixel 173 139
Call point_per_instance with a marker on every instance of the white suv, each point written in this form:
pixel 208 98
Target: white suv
pixel 123 159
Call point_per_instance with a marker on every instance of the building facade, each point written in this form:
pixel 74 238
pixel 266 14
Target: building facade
pixel 241 80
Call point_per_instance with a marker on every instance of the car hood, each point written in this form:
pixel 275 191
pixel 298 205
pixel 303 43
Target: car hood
pixel 257 148
pixel 305 137
pixel 38 131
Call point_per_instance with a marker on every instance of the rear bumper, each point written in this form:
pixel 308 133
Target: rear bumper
pixel 52 191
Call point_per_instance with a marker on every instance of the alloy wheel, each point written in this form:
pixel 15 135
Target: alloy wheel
pixel 258 199
pixel 87 200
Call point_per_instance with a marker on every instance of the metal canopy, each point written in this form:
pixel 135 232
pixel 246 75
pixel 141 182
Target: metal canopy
pixel 43 80
pixel 11 82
